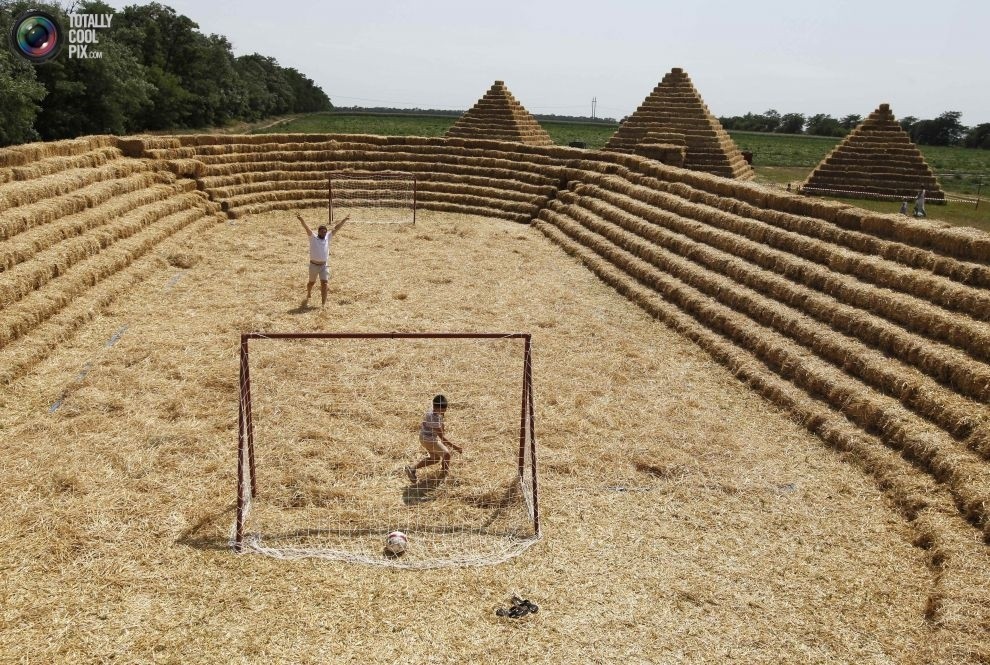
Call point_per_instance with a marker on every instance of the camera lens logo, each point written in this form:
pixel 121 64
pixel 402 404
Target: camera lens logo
pixel 36 36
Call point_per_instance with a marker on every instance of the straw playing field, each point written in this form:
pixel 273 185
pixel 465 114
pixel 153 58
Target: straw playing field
pixel 685 519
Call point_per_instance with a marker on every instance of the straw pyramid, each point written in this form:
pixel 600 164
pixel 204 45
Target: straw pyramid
pixel 877 160
pixel 498 116
pixel 673 116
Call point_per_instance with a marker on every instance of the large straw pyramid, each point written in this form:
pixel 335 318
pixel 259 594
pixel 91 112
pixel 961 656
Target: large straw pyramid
pixel 877 160
pixel 498 116
pixel 674 116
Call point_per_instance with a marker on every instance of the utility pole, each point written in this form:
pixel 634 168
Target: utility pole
pixel 594 103
pixel 979 188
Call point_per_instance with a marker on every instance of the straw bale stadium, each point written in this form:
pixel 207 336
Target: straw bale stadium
pixel 757 421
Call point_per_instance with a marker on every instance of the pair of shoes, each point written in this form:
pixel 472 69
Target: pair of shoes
pixel 520 608
pixel 411 473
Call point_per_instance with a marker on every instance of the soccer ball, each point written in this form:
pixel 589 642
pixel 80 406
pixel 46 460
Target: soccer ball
pixel 395 543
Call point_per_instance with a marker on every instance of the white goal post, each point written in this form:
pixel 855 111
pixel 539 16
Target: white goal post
pixel 385 197
pixel 336 417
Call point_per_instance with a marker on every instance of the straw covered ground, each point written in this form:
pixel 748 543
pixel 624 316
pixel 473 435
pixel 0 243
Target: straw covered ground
pixel 685 520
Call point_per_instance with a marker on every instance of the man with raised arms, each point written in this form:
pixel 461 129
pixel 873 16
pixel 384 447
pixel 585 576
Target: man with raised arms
pixel 319 257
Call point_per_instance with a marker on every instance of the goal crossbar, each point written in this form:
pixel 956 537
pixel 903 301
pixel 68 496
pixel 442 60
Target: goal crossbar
pixel 246 468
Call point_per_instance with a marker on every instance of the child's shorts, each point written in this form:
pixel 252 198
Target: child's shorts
pixel 436 448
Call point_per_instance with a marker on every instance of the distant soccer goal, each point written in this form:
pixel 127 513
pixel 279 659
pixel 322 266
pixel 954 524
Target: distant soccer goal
pixel 330 423
pixel 382 197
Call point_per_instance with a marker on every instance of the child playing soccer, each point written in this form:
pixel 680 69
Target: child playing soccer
pixel 434 439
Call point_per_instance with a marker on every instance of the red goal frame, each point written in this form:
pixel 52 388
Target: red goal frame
pixel 370 175
pixel 245 425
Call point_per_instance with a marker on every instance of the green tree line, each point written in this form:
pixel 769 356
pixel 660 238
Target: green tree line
pixel 947 129
pixel 158 72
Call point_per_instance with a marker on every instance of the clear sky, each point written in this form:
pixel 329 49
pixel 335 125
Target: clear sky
pixel 837 56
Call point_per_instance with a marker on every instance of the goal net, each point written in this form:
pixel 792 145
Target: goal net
pixel 329 422
pixel 384 197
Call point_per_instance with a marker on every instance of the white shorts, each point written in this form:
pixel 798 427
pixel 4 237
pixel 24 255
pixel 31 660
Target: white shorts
pixel 323 272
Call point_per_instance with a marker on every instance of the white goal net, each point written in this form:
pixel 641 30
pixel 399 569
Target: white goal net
pixel 382 197
pixel 329 423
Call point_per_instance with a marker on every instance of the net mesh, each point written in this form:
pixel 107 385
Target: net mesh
pixel 377 197
pixel 337 421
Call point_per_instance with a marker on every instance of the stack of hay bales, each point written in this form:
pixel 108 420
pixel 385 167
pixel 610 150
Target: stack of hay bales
pixel 262 172
pixel 665 147
pixel 877 160
pixel 499 117
pixel 877 342
pixel 675 112
pixel 76 217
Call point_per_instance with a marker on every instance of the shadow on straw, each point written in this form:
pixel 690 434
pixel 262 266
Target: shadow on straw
pixel 421 491
pixel 300 309
pixel 203 534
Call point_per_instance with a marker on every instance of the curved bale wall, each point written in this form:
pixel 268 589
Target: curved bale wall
pixel 78 222
pixel 873 330
pixel 257 173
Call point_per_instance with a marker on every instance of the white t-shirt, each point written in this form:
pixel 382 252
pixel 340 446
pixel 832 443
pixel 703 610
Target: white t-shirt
pixel 429 429
pixel 319 250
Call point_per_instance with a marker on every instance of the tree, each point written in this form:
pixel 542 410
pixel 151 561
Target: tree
pixel 158 71
pixel 21 94
pixel 978 137
pixel 943 130
pixel 907 122
pixel 87 96
pixel 850 121
pixel 269 89
pixel 791 123
pixel 309 97
pixel 769 121
pixel 824 125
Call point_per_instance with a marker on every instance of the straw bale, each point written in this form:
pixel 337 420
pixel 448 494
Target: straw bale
pixel 57 260
pixel 942 362
pixel 267 206
pixel 40 305
pixel 25 154
pixel 314 184
pixel 20 219
pixel 492 191
pixel 53 165
pixel 22 247
pixel 403 162
pixel 20 356
pixel 32 191
pixel 915 282
pixel 274 194
pixel 483 211
pixel 968 479
pixel 925 396
pixel 479 202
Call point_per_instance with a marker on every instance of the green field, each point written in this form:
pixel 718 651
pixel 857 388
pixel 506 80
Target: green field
pixel 777 158
pixel 593 134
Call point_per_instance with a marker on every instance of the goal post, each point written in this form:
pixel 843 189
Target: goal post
pixel 336 417
pixel 384 197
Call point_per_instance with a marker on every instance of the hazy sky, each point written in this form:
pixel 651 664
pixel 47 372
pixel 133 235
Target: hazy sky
pixel 835 57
